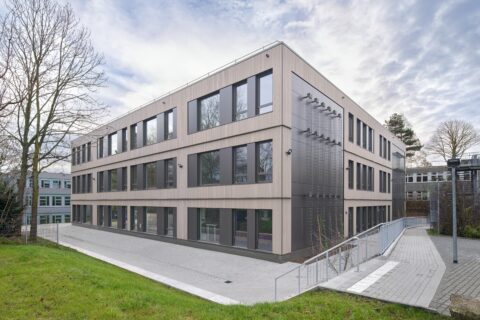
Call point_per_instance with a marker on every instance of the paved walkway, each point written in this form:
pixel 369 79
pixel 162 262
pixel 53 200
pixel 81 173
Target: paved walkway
pixel 219 277
pixel 462 278
pixel 410 275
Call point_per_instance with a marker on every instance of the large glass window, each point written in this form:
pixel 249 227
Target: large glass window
pixel 169 222
pixel 44 201
pixel 264 230
pixel 112 144
pixel 169 125
pixel 351 174
pixel 151 175
pixel 370 139
pixel 240 101
pixel 264 161
pixel 56 201
pixel 114 216
pixel 151 220
pixel 112 177
pixel 209 115
pixel 135 213
pixel 133 178
pixel 209 225
pixel 240 164
pixel 124 140
pixel 124 179
pixel 169 174
pixel 100 148
pixel 209 168
pixel 150 131
pixel 240 228
pixel 265 94
pixel 133 136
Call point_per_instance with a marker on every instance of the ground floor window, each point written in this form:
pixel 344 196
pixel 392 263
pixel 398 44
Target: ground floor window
pixel 169 222
pixel 114 216
pixel 134 215
pixel 67 218
pixel 57 219
pixel 264 229
pixel 44 219
pixel 240 228
pixel 151 214
pixel 209 225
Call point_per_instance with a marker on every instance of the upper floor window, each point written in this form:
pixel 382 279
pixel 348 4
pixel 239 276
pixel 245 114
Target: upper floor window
pixel 240 164
pixel 89 151
pixel 100 148
pixel 151 175
pixel 113 180
pixel 265 93
pixel 67 184
pixel 112 144
pixel 264 161
pixel 57 184
pixel 351 174
pixel 133 178
pixel 150 131
pixel 133 136
pixel 350 127
pixel 169 125
pixel 169 174
pixel 209 112
pixel 240 101
pixel 124 140
pixel 45 183
pixel 209 168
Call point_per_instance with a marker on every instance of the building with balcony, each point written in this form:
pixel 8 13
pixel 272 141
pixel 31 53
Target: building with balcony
pixel 264 157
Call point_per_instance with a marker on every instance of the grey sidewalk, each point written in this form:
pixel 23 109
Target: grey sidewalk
pixel 410 275
pixel 462 278
pixel 201 272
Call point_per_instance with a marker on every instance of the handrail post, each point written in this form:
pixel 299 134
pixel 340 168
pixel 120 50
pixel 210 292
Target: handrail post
pixel 316 271
pixel 339 260
pixel 358 254
pixel 366 248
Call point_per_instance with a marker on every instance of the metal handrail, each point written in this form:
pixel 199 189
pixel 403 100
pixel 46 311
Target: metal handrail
pixel 384 241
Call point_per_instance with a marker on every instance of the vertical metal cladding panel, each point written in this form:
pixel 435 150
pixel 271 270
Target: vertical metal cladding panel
pixel 140 134
pixel 192 224
pixel 226 177
pixel 174 160
pixel 161 221
pixel 161 127
pixel 252 96
pixel 317 168
pixel 226 105
pixel 192 116
pixel 160 174
pixel 174 111
pixel 226 227
pixel 251 229
pixel 251 163
pixel 140 177
pixel 192 170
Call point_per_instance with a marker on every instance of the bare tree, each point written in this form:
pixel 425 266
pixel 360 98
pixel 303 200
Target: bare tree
pixel 419 159
pixel 57 74
pixel 452 138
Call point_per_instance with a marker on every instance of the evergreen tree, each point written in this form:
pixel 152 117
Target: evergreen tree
pixel 10 208
pixel 399 126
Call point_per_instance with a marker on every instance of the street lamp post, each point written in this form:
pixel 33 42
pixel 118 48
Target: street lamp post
pixel 454 163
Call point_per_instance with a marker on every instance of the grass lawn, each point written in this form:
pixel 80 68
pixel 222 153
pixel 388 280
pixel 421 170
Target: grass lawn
pixel 44 281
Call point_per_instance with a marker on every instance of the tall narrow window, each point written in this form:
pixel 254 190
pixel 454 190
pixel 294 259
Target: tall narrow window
pixel 240 101
pixel 264 230
pixel 124 179
pixel 169 125
pixel 100 184
pixel 388 151
pixel 380 145
pixel 388 183
pixel 169 174
pixel 264 161
pixel 112 144
pixel 100 148
pixel 240 164
pixel 114 216
pixel 350 174
pixel 169 222
pixel 370 179
pixel 359 176
pixel 370 139
pixel 113 181
pixel 89 151
pixel 209 225
pixel 150 131
pixel 364 177
pixel 73 157
pixel 359 132
pixel 364 136
pixel 124 140
pixel 385 148
pixel 265 93
pixel 134 216
pixel 209 112
pixel 151 175
pixel 209 168
pixel 84 153
pixel 133 178
pixel 350 127
pixel 151 220
pixel 240 228
pixel 133 136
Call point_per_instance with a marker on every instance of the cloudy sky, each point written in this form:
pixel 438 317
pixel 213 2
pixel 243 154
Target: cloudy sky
pixel 420 58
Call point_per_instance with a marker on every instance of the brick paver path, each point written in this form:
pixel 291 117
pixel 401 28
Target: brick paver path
pixel 462 278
